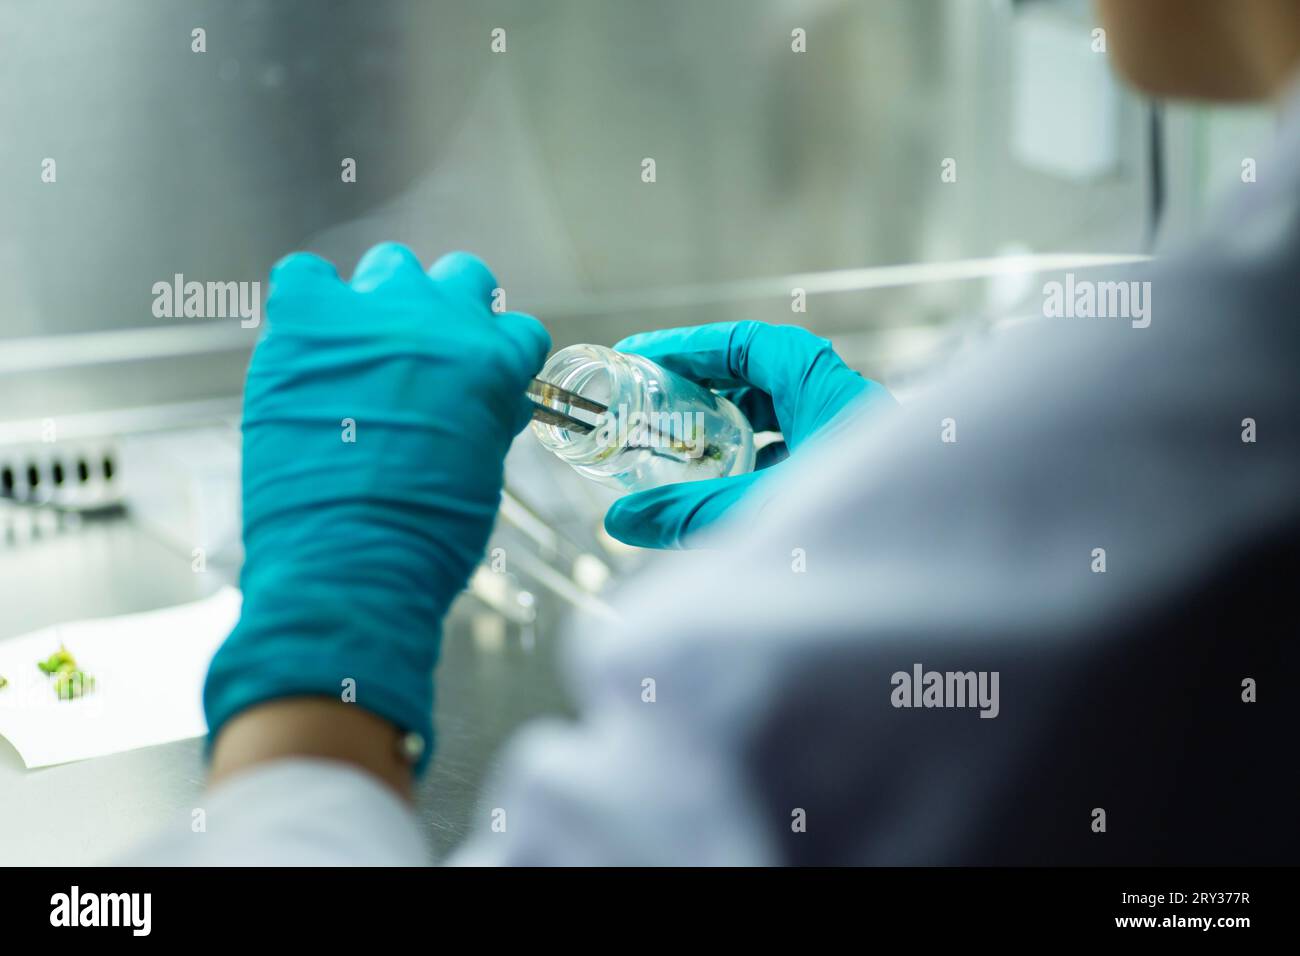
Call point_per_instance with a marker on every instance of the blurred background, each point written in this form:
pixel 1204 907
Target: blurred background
pixel 775 170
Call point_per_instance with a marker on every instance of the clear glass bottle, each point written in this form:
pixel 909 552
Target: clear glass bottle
pixel 658 428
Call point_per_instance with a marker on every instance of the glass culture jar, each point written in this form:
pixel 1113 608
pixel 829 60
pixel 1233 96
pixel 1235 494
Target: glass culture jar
pixel 658 427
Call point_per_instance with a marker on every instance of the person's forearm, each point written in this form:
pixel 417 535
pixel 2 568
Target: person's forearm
pixel 311 727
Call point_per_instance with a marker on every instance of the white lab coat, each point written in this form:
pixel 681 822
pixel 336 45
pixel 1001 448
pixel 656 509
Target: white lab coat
pixel 773 736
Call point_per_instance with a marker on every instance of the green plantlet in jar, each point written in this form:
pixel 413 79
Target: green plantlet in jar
pixel 71 684
pixel 3 681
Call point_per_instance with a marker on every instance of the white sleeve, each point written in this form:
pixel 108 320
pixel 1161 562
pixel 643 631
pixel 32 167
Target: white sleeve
pixel 300 812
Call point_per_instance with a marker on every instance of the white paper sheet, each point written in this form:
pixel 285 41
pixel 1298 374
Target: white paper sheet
pixel 148 671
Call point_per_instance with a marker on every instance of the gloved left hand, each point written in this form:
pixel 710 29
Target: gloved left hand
pixel 783 378
pixel 377 415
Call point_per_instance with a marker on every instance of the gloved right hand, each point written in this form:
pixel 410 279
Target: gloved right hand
pixel 377 415
pixel 782 377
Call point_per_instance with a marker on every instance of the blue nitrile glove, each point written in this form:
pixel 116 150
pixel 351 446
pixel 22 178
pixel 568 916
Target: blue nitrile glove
pixel 377 415
pixel 782 377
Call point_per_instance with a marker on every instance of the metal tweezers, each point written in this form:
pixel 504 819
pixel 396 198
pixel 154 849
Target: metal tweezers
pixel 543 394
